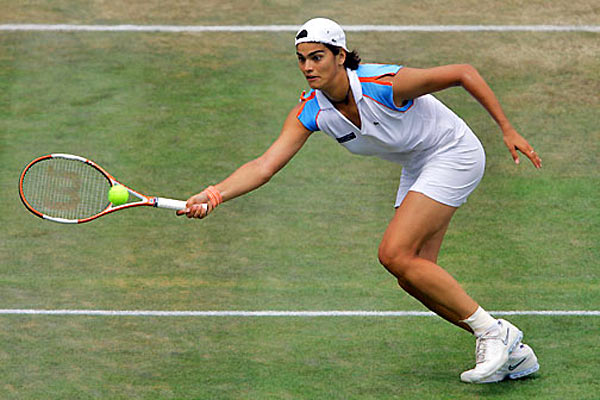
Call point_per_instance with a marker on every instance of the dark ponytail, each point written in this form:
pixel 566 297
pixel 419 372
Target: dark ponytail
pixel 352 58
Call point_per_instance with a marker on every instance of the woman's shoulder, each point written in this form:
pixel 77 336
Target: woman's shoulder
pixel 308 109
pixel 374 71
pixel 307 96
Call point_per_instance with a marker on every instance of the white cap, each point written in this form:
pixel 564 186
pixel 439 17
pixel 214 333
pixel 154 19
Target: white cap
pixel 322 30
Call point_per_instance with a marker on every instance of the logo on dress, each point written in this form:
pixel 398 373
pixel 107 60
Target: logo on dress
pixel 346 138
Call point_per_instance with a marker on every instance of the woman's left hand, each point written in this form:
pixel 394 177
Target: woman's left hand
pixel 515 142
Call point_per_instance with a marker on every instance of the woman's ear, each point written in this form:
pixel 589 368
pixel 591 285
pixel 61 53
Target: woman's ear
pixel 342 57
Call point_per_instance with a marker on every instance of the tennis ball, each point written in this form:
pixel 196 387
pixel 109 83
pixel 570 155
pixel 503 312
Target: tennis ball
pixel 118 195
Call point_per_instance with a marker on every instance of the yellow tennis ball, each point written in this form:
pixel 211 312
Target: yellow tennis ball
pixel 118 195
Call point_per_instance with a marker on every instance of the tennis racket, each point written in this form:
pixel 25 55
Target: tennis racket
pixel 72 190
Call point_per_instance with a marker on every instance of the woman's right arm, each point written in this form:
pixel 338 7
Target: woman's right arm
pixel 257 172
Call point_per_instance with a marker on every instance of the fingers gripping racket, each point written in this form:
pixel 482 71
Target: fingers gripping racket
pixel 71 190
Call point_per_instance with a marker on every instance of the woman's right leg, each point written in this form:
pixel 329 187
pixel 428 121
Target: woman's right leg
pixel 418 220
pixel 430 251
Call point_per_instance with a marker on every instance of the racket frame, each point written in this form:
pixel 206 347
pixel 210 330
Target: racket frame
pixel 143 200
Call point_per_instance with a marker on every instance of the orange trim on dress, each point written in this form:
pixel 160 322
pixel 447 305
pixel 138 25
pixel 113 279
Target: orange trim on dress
pixel 374 79
pixel 304 100
pixel 386 106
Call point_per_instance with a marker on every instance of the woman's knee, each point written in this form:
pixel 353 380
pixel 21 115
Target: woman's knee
pixel 397 260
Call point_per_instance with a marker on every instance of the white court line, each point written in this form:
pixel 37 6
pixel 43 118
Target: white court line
pixel 294 28
pixel 142 313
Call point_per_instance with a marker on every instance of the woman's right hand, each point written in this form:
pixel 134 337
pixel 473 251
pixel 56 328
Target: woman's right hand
pixel 198 206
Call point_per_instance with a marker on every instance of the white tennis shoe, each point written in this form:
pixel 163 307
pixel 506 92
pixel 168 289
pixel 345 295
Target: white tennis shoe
pixel 521 363
pixel 492 351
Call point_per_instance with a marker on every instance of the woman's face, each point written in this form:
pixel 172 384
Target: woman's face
pixel 318 64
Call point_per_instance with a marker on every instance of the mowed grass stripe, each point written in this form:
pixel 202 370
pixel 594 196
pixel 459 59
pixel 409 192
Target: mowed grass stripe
pixel 293 28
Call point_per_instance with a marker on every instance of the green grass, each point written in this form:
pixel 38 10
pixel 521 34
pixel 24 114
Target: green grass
pixel 168 114
pixel 258 358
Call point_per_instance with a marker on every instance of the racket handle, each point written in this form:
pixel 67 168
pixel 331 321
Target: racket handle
pixel 171 204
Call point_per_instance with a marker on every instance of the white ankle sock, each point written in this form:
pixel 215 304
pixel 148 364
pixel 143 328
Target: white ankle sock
pixel 480 321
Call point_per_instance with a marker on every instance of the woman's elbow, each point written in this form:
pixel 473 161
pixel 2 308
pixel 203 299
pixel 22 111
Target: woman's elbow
pixel 468 72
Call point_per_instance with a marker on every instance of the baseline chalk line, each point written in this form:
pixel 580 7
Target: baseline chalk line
pixel 270 313
pixel 294 28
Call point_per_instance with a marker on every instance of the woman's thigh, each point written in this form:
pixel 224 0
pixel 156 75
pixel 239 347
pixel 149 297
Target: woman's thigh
pixel 418 220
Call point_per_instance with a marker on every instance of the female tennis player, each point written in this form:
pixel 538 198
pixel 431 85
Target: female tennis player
pixel 388 111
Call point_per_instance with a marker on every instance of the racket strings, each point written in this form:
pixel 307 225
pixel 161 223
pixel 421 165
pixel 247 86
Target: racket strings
pixel 64 188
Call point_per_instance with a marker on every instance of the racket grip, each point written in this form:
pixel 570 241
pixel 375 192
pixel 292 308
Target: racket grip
pixel 171 204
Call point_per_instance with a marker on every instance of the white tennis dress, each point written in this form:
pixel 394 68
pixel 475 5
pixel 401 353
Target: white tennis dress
pixel 440 155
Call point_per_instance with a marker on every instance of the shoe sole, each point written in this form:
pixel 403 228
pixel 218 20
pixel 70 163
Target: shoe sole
pixel 524 373
pixel 514 375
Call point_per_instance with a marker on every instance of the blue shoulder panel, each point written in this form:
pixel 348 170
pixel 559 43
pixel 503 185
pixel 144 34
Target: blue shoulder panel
pixel 309 111
pixel 376 70
pixel 377 90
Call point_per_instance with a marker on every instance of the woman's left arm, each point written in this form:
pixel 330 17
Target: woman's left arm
pixel 410 83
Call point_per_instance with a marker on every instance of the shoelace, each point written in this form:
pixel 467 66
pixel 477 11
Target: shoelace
pixel 480 351
pixel 481 346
